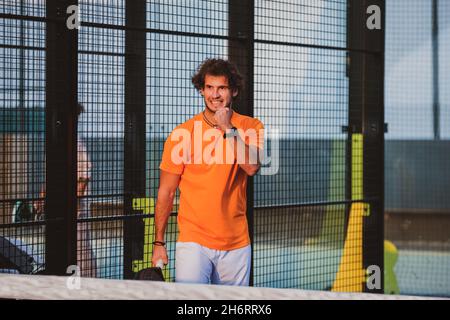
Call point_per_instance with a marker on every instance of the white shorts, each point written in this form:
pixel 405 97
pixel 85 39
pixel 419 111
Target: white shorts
pixel 195 263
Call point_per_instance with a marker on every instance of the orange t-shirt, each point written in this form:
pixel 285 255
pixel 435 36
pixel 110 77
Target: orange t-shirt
pixel 212 209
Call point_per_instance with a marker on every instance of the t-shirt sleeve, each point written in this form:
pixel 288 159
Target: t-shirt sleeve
pixel 172 158
pixel 256 136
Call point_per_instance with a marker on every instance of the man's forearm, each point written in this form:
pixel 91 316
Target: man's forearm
pixel 164 205
pixel 247 156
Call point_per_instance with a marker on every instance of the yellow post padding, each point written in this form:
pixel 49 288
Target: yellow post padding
pixel 147 205
pixel 357 167
pixel 390 259
pixel 351 275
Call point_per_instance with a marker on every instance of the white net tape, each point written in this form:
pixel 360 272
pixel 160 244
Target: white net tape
pixel 60 288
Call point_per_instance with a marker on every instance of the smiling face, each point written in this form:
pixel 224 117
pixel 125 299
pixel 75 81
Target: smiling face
pixel 217 93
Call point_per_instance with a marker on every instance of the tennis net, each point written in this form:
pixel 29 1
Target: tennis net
pixel 26 287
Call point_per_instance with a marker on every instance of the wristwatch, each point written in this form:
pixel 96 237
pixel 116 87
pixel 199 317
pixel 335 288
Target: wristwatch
pixel 233 132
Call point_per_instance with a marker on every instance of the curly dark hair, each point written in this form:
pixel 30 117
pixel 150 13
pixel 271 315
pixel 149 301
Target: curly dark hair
pixel 218 67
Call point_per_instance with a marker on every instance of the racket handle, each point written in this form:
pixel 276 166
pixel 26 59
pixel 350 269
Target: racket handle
pixel 160 264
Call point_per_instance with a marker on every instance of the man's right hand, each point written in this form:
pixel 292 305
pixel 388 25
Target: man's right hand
pixel 159 253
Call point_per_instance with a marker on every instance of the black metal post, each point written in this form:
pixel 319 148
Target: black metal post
pixel 134 148
pixel 21 106
pixel 435 42
pixel 61 139
pixel 366 116
pixel 241 52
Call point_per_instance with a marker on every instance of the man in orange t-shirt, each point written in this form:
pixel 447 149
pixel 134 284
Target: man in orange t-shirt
pixel 209 158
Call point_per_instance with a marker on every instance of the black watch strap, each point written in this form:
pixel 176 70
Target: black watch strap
pixel 231 133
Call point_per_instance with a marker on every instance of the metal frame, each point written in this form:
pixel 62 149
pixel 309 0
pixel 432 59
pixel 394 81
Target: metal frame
pixel 241 52
pixel 134 148
pixel 435 44
pixel 61 138
pixel 366 116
